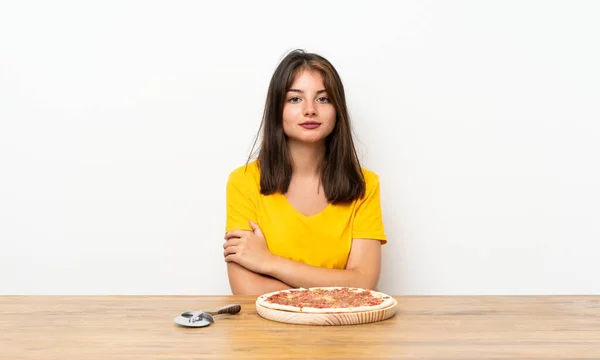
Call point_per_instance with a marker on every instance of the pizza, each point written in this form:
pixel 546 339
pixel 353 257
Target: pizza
pixel 325 300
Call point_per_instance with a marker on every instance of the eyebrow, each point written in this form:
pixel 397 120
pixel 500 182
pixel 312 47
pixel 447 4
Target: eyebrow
pixel 301 92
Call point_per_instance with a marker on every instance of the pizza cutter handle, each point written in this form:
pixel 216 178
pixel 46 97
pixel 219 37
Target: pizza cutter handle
pixel 229 309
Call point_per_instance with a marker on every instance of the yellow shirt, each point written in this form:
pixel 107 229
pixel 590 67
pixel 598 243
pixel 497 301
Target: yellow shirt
pixel 323 239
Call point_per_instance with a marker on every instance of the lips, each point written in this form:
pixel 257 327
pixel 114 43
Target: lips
pixel 310 124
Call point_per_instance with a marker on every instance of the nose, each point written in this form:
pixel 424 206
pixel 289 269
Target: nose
pixel 310 109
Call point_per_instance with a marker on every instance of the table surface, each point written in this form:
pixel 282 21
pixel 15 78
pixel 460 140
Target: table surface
pixel 424 327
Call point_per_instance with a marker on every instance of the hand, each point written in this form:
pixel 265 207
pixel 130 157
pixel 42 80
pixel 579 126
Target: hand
pixel 248 249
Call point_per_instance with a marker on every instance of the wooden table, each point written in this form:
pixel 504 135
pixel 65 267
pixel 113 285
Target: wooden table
pixel 142 327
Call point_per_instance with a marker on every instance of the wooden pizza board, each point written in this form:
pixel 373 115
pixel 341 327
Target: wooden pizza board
pixel 349 318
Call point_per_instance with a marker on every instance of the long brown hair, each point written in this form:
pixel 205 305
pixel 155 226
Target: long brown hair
pixel 341 173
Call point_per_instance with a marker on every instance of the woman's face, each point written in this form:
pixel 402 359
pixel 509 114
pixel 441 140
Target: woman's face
pixel 308 114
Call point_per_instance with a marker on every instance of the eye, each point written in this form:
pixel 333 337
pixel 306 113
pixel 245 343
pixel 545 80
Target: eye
pixel 294 100
pixel 324 99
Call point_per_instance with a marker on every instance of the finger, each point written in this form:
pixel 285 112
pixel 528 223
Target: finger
pixel 256 229
pixel 230 250
pixel 233 242
pixel 231 258
pixel 237 233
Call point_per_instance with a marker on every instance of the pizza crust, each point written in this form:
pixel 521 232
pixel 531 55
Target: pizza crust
pixel 387 301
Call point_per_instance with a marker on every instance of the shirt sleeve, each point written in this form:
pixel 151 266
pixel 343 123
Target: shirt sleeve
pixel 368 221
pixel 241 202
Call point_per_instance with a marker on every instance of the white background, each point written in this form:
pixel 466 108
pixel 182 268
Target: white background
pixel 121 120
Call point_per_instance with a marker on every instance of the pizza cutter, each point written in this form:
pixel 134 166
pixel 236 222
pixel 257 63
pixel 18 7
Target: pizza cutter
pixel 205 318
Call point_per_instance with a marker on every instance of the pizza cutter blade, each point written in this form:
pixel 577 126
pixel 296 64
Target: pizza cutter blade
pixel 185 321
pixel 194 316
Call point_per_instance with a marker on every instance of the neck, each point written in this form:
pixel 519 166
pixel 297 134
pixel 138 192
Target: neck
pixel 307 158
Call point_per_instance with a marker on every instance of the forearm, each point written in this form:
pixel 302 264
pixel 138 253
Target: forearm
pixel 245 282
pixel 297 274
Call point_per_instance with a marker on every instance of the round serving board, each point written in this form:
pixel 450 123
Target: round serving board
pixel 348 318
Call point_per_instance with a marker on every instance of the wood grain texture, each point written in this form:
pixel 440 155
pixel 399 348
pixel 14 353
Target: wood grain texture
pixel 350 318
pixel 141 327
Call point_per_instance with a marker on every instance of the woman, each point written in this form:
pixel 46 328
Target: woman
pixel 304 213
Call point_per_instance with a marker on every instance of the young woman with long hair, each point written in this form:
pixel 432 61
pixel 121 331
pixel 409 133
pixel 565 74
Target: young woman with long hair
pixel 304 213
